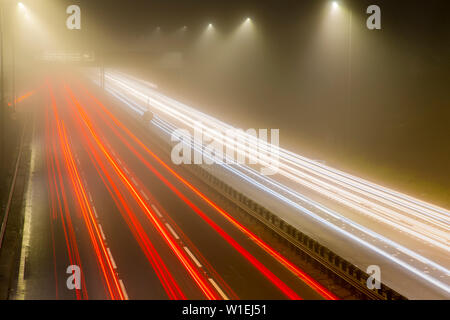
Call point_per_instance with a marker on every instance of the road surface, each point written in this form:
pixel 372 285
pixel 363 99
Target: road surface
pixel 367 224
pixel 102 197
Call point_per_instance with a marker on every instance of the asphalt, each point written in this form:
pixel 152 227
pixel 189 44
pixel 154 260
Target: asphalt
pixel 91 202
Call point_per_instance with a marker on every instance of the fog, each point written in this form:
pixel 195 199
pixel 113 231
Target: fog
pixel 374 102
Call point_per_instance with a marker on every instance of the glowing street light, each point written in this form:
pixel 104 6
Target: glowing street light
pixel 156 32
pixel 247 23
pixel 343 16
pixel 206 41
pixel 24 11
pixel 209 28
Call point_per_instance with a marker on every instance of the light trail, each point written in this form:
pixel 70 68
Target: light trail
pixel 335 215
pixel 415 217
pixel 283 287
pixel 101 251
pixel 191 116
pixel 21 98
pixel 50 176
pixel 170 286
pixel 166 279
pixel 174 108
pixel 392 195
pixel 203 284
pixel 302 275
pixel 62 202
pixel 178 234
pixel 428 226
pixel 185 239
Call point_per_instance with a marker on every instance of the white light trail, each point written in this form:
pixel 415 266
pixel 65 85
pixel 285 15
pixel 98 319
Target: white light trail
pixel 416 218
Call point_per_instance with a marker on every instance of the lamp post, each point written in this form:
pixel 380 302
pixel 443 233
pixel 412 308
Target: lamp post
pixel 347 112
pixel 349 84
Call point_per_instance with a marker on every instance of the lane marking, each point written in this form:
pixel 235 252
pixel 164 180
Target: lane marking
pixel 112 259
pixel 95 211
pixel 122 286
pixel 144 194
pixel 192 257
pixel 157 211
pixel 26 236
pixel 101 231
pixel 134 181
pixel 172 231
pixel 215 285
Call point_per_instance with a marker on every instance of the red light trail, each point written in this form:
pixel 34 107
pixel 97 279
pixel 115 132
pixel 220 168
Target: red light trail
pixel 299 273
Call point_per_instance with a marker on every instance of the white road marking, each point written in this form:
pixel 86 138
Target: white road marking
pixel 134 181
pixel 126 170
pixel 222 294
pixel 112 259
pixel 157 211
pixel 95 211
pixel 122 286
pixel 101 231
pixel 192 257
pixel 145 195
pixel 26 235
pixel 172 231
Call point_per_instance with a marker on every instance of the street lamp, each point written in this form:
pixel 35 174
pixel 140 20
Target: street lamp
pixel 346 12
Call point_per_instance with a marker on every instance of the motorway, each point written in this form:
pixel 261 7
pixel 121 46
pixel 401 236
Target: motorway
pixel 366 223
pixel 103 197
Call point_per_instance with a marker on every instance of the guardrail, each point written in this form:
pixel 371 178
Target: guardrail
pixel 309 249
pixel 305 247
